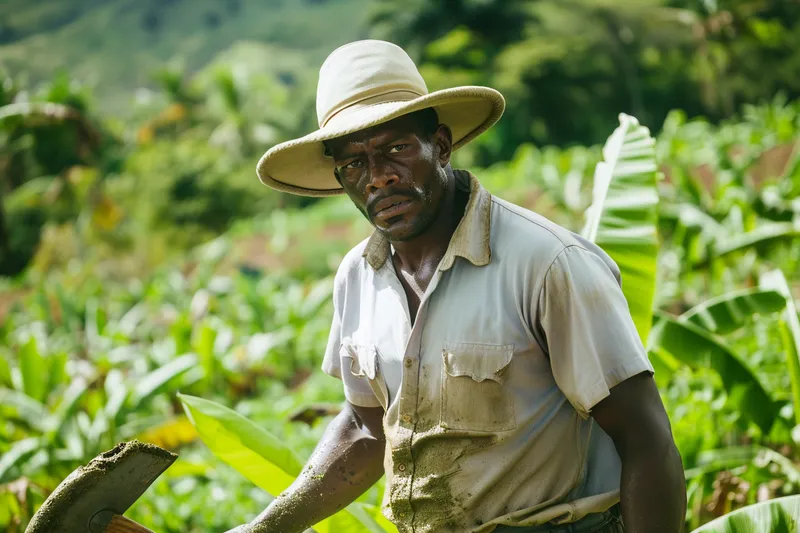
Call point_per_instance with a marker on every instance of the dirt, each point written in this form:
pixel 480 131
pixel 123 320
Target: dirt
pixel 111 481
pixel 8 299
pixel 772 163
pixel 255 251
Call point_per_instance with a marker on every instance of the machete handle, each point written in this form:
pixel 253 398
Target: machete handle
pixel 110 522
pixel 120 524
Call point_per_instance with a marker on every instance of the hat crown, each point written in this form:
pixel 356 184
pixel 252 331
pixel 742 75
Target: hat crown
pixel 362 72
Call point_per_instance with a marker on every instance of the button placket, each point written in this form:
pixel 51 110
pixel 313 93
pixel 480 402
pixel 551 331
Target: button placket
pixel 408 403
pixel 401 483
pixel 403 475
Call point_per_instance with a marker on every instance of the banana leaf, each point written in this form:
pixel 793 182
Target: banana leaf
pixel 664 364
pixel 33 368
pixel 781 515
pixel 760 239
pixel 69 402
pixel 790 332
pixel 20 451
pixel 116 392
pixel 696 348
pixel 709 461
pixel 731 311
pixel 622 218
pixel 266 461
pixel 257 454
pixel 158 380
pixel 20 406
pixel 356 518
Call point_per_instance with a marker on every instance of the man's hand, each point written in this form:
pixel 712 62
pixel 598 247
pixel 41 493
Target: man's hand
pixel 653 487
pixel 347 461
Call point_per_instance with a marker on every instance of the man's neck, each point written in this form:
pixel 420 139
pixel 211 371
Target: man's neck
pixel 417 253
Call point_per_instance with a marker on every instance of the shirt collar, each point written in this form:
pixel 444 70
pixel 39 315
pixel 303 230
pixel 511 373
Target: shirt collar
pixel 470 239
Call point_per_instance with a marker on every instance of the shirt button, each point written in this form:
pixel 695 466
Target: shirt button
pixel 401 467
pixel 406 418
pixel 409 361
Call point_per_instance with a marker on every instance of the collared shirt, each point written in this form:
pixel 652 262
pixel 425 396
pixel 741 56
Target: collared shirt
pixel 521 331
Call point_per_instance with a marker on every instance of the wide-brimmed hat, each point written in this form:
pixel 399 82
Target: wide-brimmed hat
pixel 362 84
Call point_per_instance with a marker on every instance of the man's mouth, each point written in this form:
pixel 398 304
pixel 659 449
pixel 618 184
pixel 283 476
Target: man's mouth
pixel 392 206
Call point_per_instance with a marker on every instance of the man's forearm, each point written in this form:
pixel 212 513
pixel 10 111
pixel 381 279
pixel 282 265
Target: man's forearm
pixel 653 489
pixel 347 462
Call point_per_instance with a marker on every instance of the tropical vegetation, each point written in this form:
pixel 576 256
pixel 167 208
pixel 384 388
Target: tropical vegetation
pixel 151 288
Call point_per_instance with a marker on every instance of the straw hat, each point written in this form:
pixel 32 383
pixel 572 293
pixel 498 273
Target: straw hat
pixel 362 84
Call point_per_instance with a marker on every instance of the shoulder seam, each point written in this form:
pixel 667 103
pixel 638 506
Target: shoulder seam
pixel 550 266
pixel 538 291
pixel 564 249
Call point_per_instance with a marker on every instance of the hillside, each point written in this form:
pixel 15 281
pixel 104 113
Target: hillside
pixel 116 45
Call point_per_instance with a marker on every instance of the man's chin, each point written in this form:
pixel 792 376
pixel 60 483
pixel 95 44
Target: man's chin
pixel 401 231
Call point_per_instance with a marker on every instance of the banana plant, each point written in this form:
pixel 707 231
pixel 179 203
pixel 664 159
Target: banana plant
pixel 761 239
pixel 731 311
pixel 696 347
pixel 55 425
pixel 623 215
pixel 790 332
pixel 269 463
pixel 693 339
pixel 780 515
pixel 754 464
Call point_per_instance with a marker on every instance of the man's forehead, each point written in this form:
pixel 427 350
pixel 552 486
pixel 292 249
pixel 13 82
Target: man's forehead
pixel 394 128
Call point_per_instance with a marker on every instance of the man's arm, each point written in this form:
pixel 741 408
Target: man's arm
pixel 653 488
pixel 347 461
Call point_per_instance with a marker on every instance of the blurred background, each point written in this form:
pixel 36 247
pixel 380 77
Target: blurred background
pixel 140 256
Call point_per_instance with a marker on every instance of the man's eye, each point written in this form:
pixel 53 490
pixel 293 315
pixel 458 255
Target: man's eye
pixel 397 148
pixel 352 164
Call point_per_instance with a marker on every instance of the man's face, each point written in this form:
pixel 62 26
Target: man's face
pixel 395 174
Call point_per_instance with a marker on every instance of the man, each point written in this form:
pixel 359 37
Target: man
pixel 490 364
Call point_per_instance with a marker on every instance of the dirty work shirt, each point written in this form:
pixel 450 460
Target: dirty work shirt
pixel 522 330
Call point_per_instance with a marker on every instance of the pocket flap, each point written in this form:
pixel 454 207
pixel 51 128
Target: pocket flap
pixel 478 361
pixel 363 358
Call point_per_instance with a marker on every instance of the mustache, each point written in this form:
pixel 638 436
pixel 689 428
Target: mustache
pixel 373 202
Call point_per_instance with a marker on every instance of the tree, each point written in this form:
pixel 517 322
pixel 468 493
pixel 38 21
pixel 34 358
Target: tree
pixel 567 68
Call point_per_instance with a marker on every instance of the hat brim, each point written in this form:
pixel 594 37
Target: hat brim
pixel 300 167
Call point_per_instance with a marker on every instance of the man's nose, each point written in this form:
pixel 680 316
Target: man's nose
pixel 381 175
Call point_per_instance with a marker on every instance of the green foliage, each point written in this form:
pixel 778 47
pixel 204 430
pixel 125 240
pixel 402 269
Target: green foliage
pixel 39 39
pixel 255 453
pixel 568 68
pixel 267 462
pixel 622 217
pixel 695 347
pixel 790 332
pixel 777 516
pixel 132 348
pixel 732 311
pixel 153 263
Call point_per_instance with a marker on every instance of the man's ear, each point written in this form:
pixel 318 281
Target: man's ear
pixel 444 144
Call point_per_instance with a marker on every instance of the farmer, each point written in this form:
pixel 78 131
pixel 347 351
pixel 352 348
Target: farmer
pixel 490 364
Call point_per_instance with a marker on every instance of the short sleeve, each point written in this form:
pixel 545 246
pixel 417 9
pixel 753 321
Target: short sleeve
pixel 356 388
pixel 590 336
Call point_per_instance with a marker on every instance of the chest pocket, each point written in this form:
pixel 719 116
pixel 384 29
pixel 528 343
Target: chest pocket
pixel 363 363
pixel 474 392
